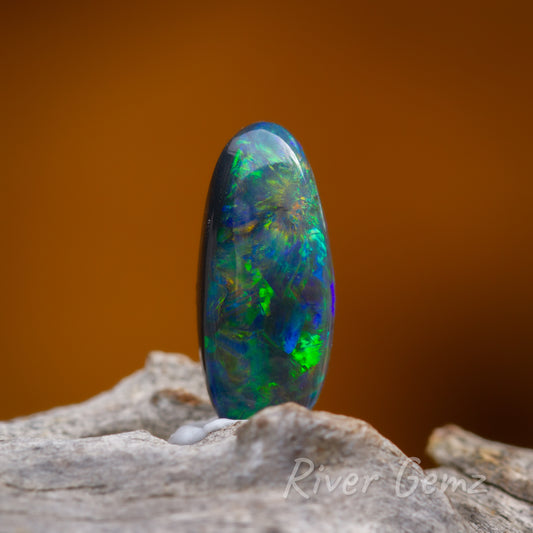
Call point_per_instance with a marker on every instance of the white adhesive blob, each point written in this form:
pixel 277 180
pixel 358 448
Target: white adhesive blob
pixel 193 432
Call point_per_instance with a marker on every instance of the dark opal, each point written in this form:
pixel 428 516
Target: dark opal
pixel 265 286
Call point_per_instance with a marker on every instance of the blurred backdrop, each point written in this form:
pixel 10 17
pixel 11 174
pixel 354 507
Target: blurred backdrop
pixel 417 119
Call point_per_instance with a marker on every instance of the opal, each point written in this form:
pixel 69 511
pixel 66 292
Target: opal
pixel 266 298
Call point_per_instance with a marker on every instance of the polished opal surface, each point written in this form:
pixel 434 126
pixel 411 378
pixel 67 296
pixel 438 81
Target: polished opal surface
pixel 265 287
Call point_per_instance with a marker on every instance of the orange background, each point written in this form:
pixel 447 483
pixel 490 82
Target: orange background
pixel 417 119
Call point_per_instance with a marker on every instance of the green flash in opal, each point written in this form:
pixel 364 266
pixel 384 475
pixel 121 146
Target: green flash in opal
pixel 266 298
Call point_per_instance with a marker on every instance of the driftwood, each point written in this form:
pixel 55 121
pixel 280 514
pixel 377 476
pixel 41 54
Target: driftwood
pixel 106 465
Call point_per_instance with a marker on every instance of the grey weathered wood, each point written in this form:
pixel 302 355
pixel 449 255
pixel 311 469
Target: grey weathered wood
pixel 167 391
pixel 505 466
pixel 504 501
pixel 101 466
pixel 485 507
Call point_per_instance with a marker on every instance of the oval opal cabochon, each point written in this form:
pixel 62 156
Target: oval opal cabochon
pixel 266 298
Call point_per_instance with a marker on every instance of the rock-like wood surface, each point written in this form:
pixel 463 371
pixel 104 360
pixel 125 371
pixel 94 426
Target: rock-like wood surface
pixel 105 465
